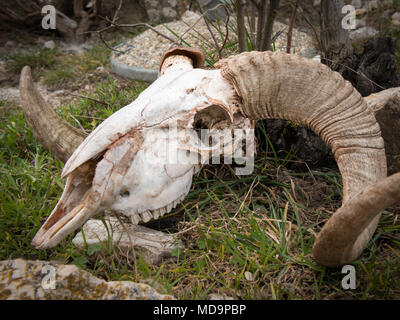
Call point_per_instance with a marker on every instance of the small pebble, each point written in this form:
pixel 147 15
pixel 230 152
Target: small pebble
pixel 49 44
pixel 146 49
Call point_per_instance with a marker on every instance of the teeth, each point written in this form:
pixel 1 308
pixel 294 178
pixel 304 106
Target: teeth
pixel 135 219
pixel 169 207
pixel 156 214
pixel 146 216
pixel 162 211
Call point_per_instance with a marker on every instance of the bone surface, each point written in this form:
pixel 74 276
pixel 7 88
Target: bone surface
pixel 152 245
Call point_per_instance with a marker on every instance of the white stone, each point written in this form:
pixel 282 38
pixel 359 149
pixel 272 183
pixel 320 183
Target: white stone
pixel 10 44
pixel 49 44
pixel 152 3
pixel 396 17
pixel 168 13
pixel 172 3
pixel 317 58
pixel 372 5
pixel 363 33
pixel 214 296
pixel 317 3
pixel 153 14
pixel 361 22
pixel 356 4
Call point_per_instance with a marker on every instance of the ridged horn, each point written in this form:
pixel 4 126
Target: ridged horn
pixel 275 85
pixel 53 133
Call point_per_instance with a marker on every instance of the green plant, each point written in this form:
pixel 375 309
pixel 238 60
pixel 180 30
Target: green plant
pixel 35 59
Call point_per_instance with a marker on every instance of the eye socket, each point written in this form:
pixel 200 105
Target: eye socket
pixel 209 118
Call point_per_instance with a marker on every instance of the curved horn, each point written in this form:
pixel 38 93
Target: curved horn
pixel 53 133
pixel 275 85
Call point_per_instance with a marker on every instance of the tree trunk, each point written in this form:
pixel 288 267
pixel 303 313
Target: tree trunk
pixel 336 46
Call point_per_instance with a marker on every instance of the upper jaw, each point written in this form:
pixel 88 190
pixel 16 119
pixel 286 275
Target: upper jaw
pixel 75 206
pixel 50 235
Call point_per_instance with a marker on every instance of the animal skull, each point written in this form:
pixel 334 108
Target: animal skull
pixel 140 161
pixel 123 166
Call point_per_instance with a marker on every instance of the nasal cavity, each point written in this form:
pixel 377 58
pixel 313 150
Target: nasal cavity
pixel 124 193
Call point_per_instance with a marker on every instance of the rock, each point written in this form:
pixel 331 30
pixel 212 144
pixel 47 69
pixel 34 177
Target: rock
pixel 363 34
pixel 37 280
pixel 10 44
pixel 360 23
pixel 376 67
pixel 316 58
pixel 386 105
pixel 49 44
pixel 154 15
pixel 210 4
pixel 356 4
pixel 396 19
pixel 172 3
pixel 396 16
pixel 361 11
pixel 385 14
pixel 168 13
pixel 372 5
pixel 214 296
pixel 152 245
pixel 317 3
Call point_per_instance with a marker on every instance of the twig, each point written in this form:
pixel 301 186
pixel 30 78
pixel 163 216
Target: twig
pixel 148 26
pixel 79 124
pixel 290 31
pixel 262 9
pixel 356 72
pixel 115 25
pixel 307 20
pixel 92 99
pixel 130 240
pixel 241 31
pixel 269 23
pixel 209 30
pixel 278 34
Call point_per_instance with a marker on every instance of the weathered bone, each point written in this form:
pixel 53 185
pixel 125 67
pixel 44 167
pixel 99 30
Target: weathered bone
pixel 130 239
pixel 256 85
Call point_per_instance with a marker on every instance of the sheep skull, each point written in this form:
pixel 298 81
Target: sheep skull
pixel 140 161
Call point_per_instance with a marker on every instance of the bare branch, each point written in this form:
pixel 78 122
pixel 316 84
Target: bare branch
pixel 241 29
pixel 290 31
pixel 269 23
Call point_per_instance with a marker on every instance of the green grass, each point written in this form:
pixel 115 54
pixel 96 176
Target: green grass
pixel 37 59
pixel 57 68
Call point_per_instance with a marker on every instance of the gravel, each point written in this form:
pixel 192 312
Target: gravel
pixel 146 49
